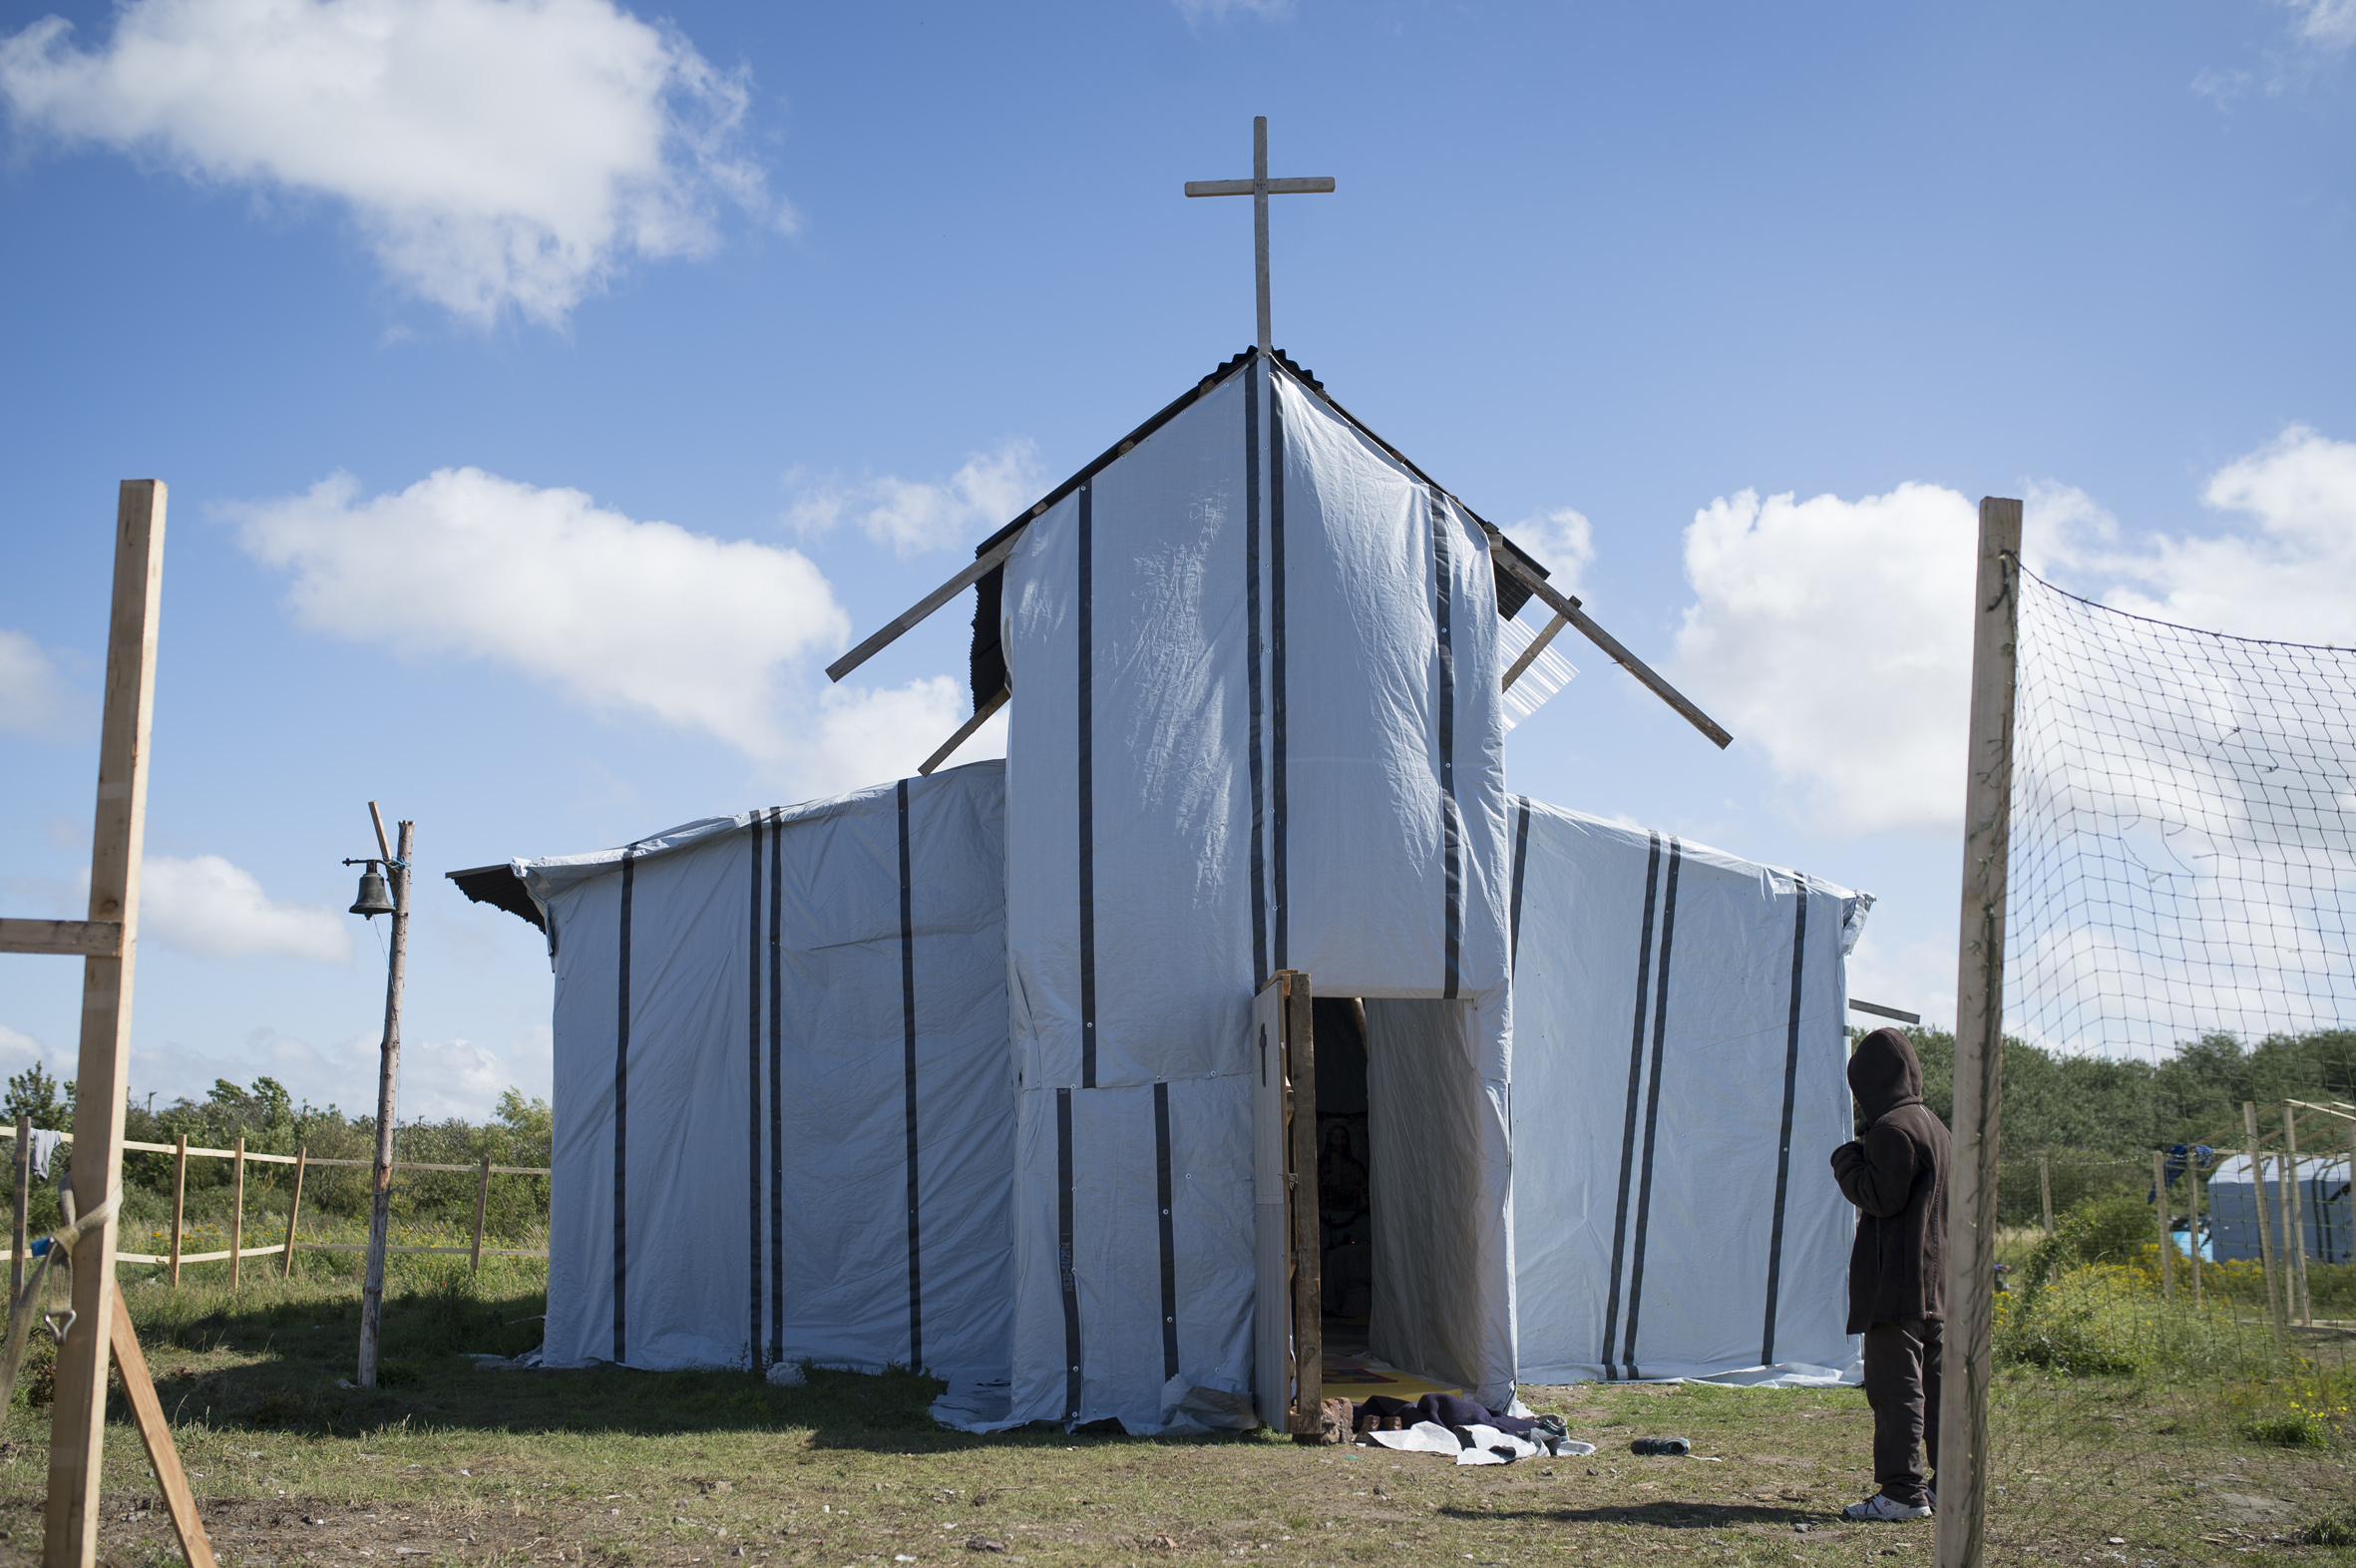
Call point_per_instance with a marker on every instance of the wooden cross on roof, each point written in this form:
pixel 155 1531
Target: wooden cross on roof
pixel 1259 188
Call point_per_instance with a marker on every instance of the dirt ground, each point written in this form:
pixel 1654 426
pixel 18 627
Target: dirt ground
pixel 609 1466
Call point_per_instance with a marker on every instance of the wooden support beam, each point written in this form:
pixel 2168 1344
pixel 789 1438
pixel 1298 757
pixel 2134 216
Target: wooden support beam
pixel 965 731
pixel 1569 610
pixel 171 1480
pixel 1979 1044
pixel 78 1424
pixel 72 938
pixel 1529 655
pixel 910 618
pixel 1880 1011
pixel 1300 1062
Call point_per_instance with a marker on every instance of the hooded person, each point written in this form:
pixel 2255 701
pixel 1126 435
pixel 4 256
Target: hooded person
pixel 1896 1172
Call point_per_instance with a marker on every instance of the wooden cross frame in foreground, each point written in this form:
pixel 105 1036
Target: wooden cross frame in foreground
pixel 1259 188
pixel 106 943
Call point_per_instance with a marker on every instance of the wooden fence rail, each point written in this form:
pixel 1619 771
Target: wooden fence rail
pixel 301 1160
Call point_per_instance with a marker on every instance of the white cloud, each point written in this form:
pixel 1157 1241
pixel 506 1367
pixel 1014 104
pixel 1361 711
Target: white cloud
pixel 2325 25
pixel 211 909
pixel 2280 571
pixel 17 1050
pixel 1835 638
pixel 913 515
pixel 33 701
pixel 1563 543
pixel 495 154
pixel 865 736
pixel 1198 11
pixel 621 616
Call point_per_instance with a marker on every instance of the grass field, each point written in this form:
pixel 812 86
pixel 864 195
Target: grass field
pixel 448 1463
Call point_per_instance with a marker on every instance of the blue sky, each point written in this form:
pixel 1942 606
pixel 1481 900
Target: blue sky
pixel 548 390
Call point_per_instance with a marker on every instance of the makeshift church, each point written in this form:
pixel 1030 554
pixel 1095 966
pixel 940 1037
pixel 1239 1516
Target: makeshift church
pixel 1022 1072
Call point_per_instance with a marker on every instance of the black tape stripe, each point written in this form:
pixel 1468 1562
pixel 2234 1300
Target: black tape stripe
pixel 1652 1115
pixel 1087 788
pixel 1064 1260
pixel 622 1117
pixel 753 1024
pixel 1521 861
pixel 776 1082
pixel 1282 922
pixel 1162 1195
pixel 1643 979
pixel 1775 1278
pixel 908 1030
pixel 1252 658
pixel 1443 585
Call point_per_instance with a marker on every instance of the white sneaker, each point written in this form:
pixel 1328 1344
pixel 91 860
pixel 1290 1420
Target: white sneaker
pixel 1882 1506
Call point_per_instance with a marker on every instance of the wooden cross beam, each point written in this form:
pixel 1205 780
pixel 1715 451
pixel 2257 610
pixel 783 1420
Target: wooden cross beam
pixel 1259 188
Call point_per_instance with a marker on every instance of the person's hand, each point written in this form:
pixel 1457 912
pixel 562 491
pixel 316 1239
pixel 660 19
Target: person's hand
pixel 1847 1158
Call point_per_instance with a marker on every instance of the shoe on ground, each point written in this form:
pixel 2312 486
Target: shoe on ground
pixel 1882 1506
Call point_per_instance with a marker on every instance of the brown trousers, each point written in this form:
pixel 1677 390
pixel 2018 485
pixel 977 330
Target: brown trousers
pixel 1902 1385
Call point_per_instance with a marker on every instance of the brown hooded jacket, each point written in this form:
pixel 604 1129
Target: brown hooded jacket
pixel 1897 1175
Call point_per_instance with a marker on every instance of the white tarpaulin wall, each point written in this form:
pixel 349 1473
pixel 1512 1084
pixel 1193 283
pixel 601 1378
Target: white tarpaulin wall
pixel 2327 1217
pixel 1256 726
pixel 783 1109
pixel 1679 1083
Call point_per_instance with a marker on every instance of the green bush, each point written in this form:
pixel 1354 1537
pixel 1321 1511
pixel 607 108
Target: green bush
pixel 2097 1319
pixel 2117 1229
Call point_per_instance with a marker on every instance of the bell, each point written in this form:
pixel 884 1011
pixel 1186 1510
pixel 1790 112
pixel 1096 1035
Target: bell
pixel 373 900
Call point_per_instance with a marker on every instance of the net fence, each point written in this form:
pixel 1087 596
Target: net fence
pixel 2175 1329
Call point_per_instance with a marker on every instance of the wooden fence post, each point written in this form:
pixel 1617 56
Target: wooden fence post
pixel 302 1156
pixel 24 1184
pixel 179 1200
pixel 118 832
pixel 2044 1190
pixel 2168 1242
pixel 2294 1224
pixel 2257 1187
pixel 238 1212
pixel 1979 1041
pixel 2192 1233
pixel 482 1206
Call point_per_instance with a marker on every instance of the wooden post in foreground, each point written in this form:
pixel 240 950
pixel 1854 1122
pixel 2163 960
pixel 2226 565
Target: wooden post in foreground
pixel 24 1193
pixel 70 1533
pixel 238 1216
pixel 1979 1043
pixel 302 1158
pixel 2258 1189
pixel 2044 1189
pixel 2167 1244
pixel 481 1207
pixel 381 1210
pixel 179 1200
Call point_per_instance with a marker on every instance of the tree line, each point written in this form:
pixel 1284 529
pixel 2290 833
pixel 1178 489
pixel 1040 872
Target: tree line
pixel 519 1132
